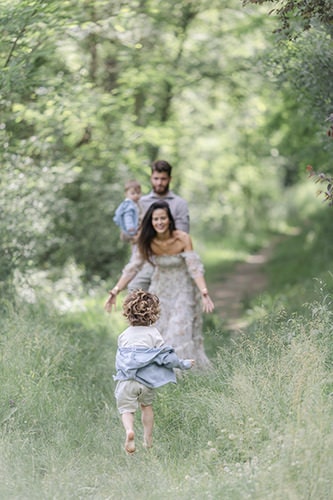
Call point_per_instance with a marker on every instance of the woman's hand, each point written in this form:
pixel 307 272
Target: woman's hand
pixel 111 302
pixel 207 304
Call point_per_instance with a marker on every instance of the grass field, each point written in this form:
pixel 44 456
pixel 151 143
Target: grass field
pixel 258 426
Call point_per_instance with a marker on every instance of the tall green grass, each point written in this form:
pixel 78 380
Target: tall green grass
pixel 257 426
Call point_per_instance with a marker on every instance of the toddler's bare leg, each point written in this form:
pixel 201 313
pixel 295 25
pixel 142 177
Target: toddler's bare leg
pixel 147 418
pixel 128 423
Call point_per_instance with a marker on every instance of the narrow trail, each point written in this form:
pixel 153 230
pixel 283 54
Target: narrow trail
pixel 246 281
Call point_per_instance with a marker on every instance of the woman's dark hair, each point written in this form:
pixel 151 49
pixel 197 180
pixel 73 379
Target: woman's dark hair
pixel 147 232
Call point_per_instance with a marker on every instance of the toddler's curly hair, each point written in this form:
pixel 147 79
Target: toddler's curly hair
pixel 141 308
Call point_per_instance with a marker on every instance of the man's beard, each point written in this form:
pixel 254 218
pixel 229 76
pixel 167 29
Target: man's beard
pixel 162 190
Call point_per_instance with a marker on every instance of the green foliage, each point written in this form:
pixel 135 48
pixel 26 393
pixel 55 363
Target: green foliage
pixel 93 91
pixel 300 270
pixel 28 29
pixel 300 15
pixel 301 63
pixel 323 178
pixel 312 244
pixel 305 64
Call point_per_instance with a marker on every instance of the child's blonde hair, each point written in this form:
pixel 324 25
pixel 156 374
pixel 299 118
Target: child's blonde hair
pixel 133 185
pixel 141 308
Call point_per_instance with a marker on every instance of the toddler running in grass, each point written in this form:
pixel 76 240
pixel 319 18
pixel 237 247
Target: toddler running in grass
pixel 143 363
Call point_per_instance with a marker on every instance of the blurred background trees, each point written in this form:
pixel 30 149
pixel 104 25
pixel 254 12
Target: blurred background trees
pixel 93 91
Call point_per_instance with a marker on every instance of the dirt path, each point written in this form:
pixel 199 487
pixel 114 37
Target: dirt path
pixel 247 280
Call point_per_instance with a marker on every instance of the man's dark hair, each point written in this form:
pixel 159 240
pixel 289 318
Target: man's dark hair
pixel 161 166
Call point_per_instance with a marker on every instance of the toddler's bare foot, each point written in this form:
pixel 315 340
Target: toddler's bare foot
pixel 130 443
pixel 147 443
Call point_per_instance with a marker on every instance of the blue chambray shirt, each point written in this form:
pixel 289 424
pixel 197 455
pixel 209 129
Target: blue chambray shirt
pixel 152 367
pixel 127 216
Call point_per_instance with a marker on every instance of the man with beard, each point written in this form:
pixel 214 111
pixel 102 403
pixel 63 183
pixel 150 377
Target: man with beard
pixel 160 181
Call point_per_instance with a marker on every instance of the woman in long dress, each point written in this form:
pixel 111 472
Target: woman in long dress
pixel 178 281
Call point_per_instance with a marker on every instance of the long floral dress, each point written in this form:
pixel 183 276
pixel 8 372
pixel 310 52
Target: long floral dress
pixel 180 322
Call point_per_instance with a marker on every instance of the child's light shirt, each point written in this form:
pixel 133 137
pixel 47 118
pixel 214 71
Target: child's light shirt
pixel 143 356
pixel 140 336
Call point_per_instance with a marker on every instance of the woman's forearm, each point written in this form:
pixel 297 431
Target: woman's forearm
pixel 201 284
pixel 129 272
pixel 207 303
pixel 122 283
pixel 112 298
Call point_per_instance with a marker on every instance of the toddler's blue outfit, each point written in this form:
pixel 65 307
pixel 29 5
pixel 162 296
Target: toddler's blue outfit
pixel 143 363
pixel 151 367
pixel 127 217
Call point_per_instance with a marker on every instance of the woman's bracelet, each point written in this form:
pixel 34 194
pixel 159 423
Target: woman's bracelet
pixel 114 290
pixel 204 292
